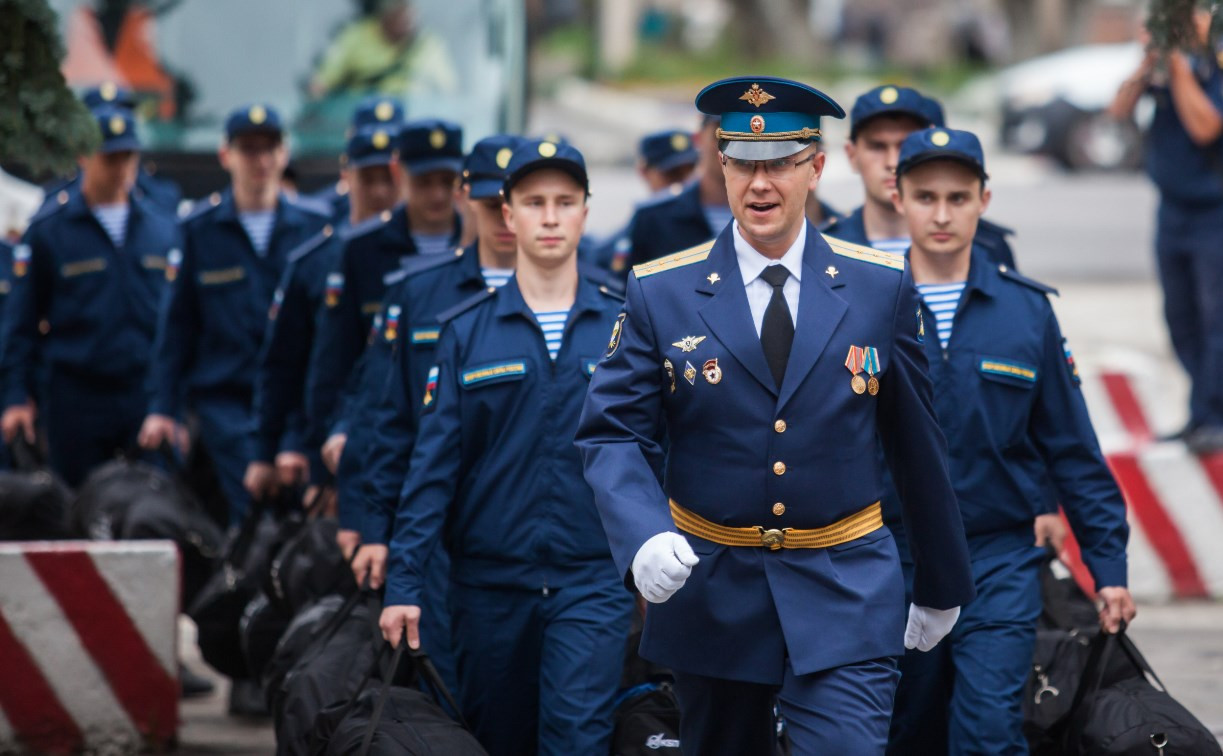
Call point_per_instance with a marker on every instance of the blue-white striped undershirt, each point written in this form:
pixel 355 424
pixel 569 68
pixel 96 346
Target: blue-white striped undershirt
pixel 432 244
pixel 496 277
pixel 553 325
pixel 114 220
pixel 942 299
pixel 258 225
pixel 892 246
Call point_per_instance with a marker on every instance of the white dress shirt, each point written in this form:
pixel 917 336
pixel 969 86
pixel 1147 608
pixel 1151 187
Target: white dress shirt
pixel 759 292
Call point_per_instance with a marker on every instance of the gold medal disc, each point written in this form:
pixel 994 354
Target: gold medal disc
pixel 872 385
pixel 858 384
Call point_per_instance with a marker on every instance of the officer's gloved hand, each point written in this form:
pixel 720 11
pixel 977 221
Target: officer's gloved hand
pixel 662 565
pixel 929 626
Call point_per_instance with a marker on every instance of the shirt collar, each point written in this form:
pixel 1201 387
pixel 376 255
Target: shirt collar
pixel 752 263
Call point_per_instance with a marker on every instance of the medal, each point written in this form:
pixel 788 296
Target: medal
pixel 688 343
pixel 689 373
pixel 853 363
pixel 711 371
pixel 871 364
pixel 857 384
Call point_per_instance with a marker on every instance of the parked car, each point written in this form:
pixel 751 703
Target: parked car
pixel 1057 105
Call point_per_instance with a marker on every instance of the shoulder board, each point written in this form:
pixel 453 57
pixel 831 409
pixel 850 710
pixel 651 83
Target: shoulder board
pixel 678 260
pixel 202 206
pixel 50 206
pixel 995 229
pixel 466 304
pixel 1011 274
pixel 369 225
pixel 421 263
pixel 865 254
pixel 602 278
pixel 313 243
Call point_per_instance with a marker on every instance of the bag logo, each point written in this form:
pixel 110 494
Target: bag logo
pixel 660 740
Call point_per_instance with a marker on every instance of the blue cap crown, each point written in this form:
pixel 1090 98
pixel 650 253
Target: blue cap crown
pixel 118 128
pixel 537 154
pixel 487 165
pixel 109 93
pixel 668 149
pixel 431 145
pixel 890 99
pixel 764 117
pixel 372 145
pixel 941 144
pixel 378 111
pixel 253 119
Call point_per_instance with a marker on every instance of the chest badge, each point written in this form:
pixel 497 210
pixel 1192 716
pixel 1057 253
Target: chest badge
pixel 688 343
pixel 714 278
pixel 831 271
pixel 711 371
pixel 853 363
pixel 870 364
pixel 666 365
pixel 617 329
pixel 689 373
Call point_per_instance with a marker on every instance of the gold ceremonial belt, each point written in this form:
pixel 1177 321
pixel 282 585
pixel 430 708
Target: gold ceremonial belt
pixel 844 530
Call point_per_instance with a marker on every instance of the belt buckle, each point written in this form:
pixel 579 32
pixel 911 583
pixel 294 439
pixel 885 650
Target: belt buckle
pixel 773 537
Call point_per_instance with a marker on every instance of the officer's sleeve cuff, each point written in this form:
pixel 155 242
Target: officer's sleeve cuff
pixel 1110 574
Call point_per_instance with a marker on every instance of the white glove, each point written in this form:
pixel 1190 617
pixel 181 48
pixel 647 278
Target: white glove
pixel 662 565
pixel 929 626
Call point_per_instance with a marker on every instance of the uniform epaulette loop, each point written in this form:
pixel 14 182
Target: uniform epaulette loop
pixel 678 260
pixel 865 254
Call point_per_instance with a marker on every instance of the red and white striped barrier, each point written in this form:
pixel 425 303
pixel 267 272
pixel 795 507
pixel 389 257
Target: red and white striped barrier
pixel 87 643
pixel 1174 497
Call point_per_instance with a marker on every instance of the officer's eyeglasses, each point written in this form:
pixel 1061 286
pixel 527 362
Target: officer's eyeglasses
pixel 778 168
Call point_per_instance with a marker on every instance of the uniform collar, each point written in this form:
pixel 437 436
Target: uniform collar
pixel 227 209
pixel 510 301
pixel 469 263
pixel 752 263
pixel 982 273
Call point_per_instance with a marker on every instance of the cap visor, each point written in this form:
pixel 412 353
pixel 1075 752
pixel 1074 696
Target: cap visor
pixel 916 115
pixel 434 164
pixel 957 157
pixel 485 188
pixel 687 157
pixel 381 159
pixel 762 150
pixel 263 129
pixel 122 144
pixel 568 166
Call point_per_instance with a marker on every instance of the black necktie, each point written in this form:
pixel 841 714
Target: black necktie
pixel 777 330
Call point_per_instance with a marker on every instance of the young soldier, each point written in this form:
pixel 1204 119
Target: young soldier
pixel 539 612
pixel 1007 395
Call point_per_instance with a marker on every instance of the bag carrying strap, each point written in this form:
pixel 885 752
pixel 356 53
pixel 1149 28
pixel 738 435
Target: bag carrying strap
pixel 1102 649
pixel 26 456
pixel 426 669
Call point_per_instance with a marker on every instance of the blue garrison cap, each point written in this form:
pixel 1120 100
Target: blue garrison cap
pixel 668 149
pixel 431 145
pixel 487 165
pixel 941 144
pixel 253 119
pixel 118 128
pixel 372 145
pixel 536 154
pixel 763 117
pixel 378 111
pixel 109 93
pixel 896 101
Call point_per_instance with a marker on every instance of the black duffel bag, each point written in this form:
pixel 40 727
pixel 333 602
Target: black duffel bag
pixel 33 501
pixel 260 630
pixel 1132 717
pixel 309 564
pixel 646 721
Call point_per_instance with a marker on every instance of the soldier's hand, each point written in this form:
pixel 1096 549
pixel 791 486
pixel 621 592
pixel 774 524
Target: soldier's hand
pixel 348 541
pixel 395 619
pixel 928 626
pixel 292 468
pixel 370 560
pixel 260 480
pixel 158 429
pixel 18 419
pixel 1050 529
pixel 1116 606
pixel 662 566
pixel 332 449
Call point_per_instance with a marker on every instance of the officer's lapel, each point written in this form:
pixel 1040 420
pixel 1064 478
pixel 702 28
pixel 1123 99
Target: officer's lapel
pixel 727 313
pixel 820 311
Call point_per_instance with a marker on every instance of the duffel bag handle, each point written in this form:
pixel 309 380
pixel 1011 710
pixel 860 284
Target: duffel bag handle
pixel 26 456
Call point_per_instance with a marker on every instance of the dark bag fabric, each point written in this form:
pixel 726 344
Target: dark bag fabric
pixel 1064 605
pixel 1131 717
pixel 309 565
pixel 646 721
pixel 33 507
pixel 296 638
pixel 260 629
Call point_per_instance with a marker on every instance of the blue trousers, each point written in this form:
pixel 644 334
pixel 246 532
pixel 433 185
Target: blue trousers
pixel 538 674
pixel 1189 250
pixel 841 710
pixel 89 421
pixel 225 423
pixel 965 695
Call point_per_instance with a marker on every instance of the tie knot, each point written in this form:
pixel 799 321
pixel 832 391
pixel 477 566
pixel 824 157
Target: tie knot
pixel 775 275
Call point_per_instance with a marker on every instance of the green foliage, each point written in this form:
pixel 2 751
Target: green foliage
pixel 42 125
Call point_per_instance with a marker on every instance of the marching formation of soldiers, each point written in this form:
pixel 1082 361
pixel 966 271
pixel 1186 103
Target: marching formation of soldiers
pixel 822 448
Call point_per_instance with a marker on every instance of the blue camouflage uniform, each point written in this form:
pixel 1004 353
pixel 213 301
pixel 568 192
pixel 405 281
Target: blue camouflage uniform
pixel 685 409
pixel 905 101
pixel 213 320
pixel 1189 243
pixel 1006 393
pixel 99 302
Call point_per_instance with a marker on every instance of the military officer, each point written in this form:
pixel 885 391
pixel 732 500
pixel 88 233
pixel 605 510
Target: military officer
pixel 431 153
pixel 370 170
pixel 774 364
pixel 235 246
pixel 92 266
pixel 539 613
pixel 880 120
pixel 1006 392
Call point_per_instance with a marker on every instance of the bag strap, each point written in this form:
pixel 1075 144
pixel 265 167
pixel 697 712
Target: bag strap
pixel 428 672
pixel 1137 658
pixel 26 456
pixel 384 692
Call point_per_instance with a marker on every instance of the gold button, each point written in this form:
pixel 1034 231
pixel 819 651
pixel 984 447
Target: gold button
pixel 779 426
pixel 779 509
pixel 779 468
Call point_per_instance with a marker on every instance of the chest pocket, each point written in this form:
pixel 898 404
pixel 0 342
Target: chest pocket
pixel 222 276
pixel 1008 372
pixel 425 338
pixel 1006 391
pixel 82 267
pixel 489 374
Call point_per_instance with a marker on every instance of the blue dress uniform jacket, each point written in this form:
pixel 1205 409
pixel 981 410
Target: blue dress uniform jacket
pixel 212 321
pixel 1007 395
pixel 672 224
pixel 100 302
pixel 990 237
pixel 494 470
pixel 280 383
pixel 738 447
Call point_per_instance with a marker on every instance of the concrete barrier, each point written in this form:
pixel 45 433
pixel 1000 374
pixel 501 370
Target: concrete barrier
pixel 87 639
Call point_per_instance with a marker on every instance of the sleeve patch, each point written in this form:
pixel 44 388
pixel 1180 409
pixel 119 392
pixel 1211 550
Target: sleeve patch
pixel 335 287
pixel 617 331
pixel 430 387
pixel 1071 366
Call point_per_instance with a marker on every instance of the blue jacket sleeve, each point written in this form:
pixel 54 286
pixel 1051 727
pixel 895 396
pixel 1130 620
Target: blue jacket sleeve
pixel 431 484
pixel 619 436
pixel 1062 431
pixel 27 302
pixel 178 329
